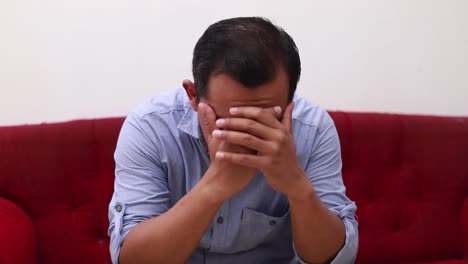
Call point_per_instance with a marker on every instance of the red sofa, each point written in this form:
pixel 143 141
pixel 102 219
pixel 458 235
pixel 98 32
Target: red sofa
pixel 408 175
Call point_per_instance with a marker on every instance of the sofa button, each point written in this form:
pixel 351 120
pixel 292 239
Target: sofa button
pixel 118 208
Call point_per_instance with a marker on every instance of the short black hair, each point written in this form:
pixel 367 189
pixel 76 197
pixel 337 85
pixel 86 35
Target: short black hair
pixel 249 50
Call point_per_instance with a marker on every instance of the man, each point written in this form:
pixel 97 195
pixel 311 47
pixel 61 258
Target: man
pixel 232 168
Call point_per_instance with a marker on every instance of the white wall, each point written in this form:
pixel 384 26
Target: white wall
pixel 62 60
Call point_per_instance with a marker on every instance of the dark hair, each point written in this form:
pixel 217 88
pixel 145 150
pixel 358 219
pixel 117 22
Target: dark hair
pixel 249 50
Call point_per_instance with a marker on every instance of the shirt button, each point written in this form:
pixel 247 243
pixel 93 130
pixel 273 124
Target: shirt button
pixel 272 222
pixel 118 208
pixel 220 220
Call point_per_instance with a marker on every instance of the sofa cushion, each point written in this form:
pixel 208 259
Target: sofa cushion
pixel 17 238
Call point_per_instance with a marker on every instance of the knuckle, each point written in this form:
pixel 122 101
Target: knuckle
pixel 244 158
pixel 276 149
pixel 269 161
pixel 257 113
pixel 249 125
pixel 282 137
pixel 247 139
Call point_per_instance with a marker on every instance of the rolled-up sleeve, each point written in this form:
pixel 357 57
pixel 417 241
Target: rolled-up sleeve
pixel 324 172
pixel 348 252
pixel 140 187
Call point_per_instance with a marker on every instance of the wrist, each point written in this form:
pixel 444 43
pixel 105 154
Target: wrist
pixel 210 196
pixel 303 192
pixel 211 189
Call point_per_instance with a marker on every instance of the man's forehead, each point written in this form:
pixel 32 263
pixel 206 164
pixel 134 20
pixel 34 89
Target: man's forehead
pixel 222 86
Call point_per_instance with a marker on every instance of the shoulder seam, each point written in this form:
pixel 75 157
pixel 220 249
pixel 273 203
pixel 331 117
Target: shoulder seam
pixel 314 125
pixel 160 112
pixel 303 123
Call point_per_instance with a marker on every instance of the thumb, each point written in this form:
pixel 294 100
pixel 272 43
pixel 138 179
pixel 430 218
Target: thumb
pixel 207 119
pixel 287 117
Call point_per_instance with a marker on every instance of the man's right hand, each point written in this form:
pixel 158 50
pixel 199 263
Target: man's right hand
pixel 223 178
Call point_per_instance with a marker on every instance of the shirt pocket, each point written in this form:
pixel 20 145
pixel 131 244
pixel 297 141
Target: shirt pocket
pixel 257 228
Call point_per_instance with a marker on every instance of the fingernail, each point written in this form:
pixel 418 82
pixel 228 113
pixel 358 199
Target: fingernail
pixel 217 133
pixel 219 155
pixel 233 110
pixel 277 109
pixel 220 122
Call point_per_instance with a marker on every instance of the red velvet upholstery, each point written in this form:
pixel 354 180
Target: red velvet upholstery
pixel 62 176
pixel 17 238
pixel 408 175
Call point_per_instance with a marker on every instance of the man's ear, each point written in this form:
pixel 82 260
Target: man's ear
pixel 191 93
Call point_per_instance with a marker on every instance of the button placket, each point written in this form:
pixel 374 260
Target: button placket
pixel 219 227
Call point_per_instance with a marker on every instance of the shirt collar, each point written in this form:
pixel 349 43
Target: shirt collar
pixel 189 122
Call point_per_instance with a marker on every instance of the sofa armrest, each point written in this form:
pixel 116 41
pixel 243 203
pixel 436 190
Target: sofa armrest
pixel 17 236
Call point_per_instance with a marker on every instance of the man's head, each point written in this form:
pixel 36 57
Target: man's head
pixel 244 61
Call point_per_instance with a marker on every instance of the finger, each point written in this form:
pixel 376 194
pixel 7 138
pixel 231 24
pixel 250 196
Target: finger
pixel 207 119
pixel 247 160
pixel 246 125
pixel 276 111
pixel 287 117
pixel 268 116
pixel 243 139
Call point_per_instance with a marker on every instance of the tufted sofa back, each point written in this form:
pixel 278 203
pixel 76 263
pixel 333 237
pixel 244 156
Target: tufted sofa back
pixel 409 178
pixel 408 175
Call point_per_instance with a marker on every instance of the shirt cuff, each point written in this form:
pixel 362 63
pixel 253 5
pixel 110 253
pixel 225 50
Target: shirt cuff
pixel 348 253
pixel 116 214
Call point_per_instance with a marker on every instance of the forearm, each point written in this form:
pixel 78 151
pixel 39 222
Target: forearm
pixel 172 236
pixel 318 233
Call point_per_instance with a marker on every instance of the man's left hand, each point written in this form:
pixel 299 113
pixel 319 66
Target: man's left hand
pixel 258 129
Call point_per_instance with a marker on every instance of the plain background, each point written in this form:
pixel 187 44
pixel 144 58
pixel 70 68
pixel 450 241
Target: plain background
pixel 63 60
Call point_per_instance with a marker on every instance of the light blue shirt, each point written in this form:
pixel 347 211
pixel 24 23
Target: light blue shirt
pixel 160 156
